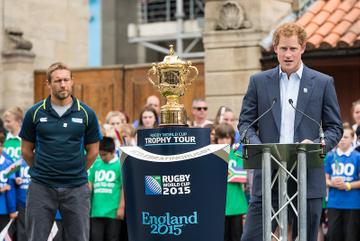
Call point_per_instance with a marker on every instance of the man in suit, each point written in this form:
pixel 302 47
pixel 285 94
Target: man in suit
pixel 311 92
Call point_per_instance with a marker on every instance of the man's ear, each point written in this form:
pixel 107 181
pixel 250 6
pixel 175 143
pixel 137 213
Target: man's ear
pixel 275 49
pixel 303 47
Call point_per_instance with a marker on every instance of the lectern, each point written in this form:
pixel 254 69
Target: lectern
pixel 282 159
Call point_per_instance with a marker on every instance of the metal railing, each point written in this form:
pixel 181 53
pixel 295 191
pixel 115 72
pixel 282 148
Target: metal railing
pixel 152 11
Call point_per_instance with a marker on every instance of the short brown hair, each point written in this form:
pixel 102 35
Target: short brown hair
pixel 16 112
pixel 346 126
pixel 224 130
pixel 53 67
pixel 288 30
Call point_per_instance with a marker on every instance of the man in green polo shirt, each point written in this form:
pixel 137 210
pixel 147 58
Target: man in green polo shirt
pixel 55 134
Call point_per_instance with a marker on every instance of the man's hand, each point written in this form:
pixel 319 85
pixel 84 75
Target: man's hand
pixel 307 141
pixel 13 215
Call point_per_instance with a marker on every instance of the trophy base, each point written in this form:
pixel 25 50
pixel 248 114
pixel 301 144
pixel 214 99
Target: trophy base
pixel 173 118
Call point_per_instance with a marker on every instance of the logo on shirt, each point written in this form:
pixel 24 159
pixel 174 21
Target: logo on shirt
pixel 104 181
pixel 344 170
pixel 168 185
pixel 77 120
pixel 43 119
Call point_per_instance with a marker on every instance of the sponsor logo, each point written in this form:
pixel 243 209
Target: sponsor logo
pixel 77 120
pixel 153 185
pixel 43 119
pixel 168 224
pixel 168 185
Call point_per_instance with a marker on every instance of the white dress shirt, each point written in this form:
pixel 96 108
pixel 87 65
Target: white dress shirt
pixel 289 89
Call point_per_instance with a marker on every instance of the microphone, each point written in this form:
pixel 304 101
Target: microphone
pixel 243 134
pixel 321 131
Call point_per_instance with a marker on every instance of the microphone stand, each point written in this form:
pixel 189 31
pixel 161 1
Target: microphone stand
pixel 243 138
pixel 321 131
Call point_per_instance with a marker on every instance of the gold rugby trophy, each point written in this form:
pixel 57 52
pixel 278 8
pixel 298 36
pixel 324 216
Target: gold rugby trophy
pixel 172 76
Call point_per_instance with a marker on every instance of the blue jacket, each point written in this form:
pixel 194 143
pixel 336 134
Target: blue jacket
pixel 317 98
pixel 8 198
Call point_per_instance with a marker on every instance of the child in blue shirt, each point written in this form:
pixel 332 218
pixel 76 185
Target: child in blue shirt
pixel 7 189
pixel 342 168
pixel 22 181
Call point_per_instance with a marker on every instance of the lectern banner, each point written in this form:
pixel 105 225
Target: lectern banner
pixel 175 197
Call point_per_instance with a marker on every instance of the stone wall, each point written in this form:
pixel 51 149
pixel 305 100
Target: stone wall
pixel 1 67
pixel 58 31
pixel 233 31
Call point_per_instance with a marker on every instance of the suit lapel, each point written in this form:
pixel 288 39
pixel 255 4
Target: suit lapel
pixel 305 92
pixel 273 86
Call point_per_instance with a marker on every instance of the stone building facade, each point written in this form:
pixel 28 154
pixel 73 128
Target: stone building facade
pixel 34 34
pixel 232 35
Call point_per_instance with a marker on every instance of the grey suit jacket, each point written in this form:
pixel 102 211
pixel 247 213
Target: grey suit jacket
pixel 319 101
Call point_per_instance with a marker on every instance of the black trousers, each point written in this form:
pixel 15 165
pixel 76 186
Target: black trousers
pixel 104 229
pixel 4 219
pixel 20 224
pixel 233 228
pixel 123 231
pixel 343 225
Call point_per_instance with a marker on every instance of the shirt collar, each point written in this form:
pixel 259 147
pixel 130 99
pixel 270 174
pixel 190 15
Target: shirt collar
pixel 346 153
pixel 74 107
pixel 113 160
pixel 11 136
pixel 299 72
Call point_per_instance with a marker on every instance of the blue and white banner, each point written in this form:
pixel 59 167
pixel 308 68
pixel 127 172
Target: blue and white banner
pixel 175 197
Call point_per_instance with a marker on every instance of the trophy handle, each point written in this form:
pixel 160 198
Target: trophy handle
pixel 195 74
pixel 152 72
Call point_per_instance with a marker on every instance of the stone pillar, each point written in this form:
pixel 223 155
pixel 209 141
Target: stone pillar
pixel 232 34
pixel 18 68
